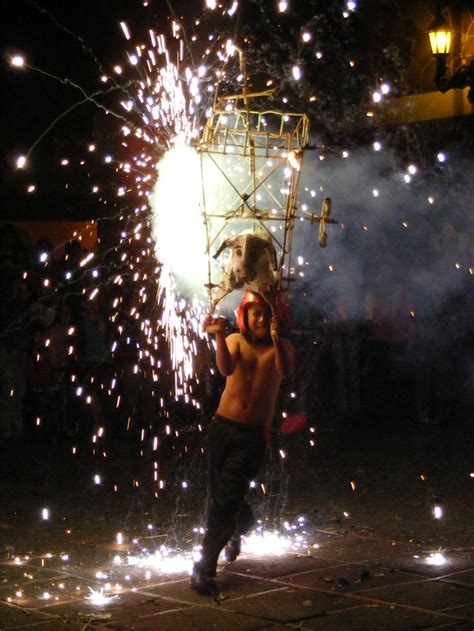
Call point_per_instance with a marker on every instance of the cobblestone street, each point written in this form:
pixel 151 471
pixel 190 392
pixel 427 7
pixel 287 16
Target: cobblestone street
pixel 369 552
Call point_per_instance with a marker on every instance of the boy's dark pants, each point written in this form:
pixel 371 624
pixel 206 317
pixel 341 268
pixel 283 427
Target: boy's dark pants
pixel 235 453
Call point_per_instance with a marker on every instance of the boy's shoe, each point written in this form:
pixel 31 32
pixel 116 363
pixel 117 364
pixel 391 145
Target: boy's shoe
pixel 232 548
pixel 202 583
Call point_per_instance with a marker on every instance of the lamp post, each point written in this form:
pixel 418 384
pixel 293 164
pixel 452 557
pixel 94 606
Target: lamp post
pixel 440 40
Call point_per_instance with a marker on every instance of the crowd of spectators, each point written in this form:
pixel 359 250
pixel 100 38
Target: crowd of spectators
pixel 58 372
pixel 54 342
pixel 398 363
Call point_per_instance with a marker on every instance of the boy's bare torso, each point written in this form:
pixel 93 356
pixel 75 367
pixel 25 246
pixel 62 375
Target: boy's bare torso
pixel 251 390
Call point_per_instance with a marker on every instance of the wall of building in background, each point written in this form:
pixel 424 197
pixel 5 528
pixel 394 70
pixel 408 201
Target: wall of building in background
pixel 403 44
pixel 59 232
pixel 419 16
pixel 423 107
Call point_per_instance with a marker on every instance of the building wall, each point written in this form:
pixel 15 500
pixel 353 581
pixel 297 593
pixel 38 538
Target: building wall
pixel 59 232
pixel 399 32
pixel 422 67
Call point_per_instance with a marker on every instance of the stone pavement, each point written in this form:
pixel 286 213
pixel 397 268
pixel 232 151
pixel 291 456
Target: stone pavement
pixel 367 559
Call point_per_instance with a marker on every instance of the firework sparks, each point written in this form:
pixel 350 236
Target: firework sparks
pixel 437 559
pixel 272 543
pixel 163 108
pixel 99 597
pixel 164 561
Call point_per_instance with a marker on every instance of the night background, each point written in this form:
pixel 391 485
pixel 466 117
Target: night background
pixel 107 382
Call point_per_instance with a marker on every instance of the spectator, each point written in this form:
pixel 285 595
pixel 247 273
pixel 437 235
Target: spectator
pixel 63 358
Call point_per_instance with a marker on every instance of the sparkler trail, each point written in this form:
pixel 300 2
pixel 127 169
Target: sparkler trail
pixel 168 123
pixel 88 98
pixel 85 47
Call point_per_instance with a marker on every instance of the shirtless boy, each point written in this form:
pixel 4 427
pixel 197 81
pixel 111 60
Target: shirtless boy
pixel 254 363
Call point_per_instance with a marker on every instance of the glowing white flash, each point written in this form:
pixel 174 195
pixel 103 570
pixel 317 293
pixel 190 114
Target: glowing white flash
pixel 297 74
pixel 436 558
pixel 233 8
pixel 270 543
pixel 18 61
pixel 178 225
pixel 125 30
pixel 295 160
pixel 163 560
pixel 98 597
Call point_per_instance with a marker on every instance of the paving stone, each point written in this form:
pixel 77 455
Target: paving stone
pixel 194 619
pixel 11 617
pixel 428 594
pixel 36 542
pixel 126 606
pixel 271 567
pixel 12 574
pixel 466 611
pixel 465 577
pixel 263 592
pixel 355 549
pixel 55 625
pixel 373 617
pixel 350 577
pixel 418 564
pixel 234 585
pixel 458 626
pixel 287 604
pixel 78 553
pixel 142 577
pixel 457 538
pixel 49 591
pixel 231 585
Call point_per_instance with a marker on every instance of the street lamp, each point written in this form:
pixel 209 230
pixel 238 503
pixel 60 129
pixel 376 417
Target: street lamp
pixel 440 40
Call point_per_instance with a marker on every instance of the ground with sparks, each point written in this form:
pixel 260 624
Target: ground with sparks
pixel 377 532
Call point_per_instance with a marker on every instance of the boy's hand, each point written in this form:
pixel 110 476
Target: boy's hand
pixel 213 325
pixel 275 330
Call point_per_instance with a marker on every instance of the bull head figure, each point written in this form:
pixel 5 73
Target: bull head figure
pixel 252 265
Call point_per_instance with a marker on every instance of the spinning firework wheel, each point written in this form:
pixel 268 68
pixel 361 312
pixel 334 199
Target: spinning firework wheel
pixel 251 161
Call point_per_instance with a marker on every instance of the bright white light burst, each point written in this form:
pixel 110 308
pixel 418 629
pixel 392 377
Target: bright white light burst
pixel 437 559
pixel 98 597
pixel 178 226
pixel 271 543
pixel 18 61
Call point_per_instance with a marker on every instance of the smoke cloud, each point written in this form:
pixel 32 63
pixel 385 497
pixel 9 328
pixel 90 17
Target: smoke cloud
pixel 399 227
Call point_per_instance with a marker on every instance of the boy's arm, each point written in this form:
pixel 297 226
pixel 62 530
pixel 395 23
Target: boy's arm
pixel 284 351
pixel 226 348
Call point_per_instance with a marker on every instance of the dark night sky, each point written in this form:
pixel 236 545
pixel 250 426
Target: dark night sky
pixel 33 101
pixel 80 42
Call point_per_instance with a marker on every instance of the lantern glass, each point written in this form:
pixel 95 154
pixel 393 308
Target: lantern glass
pixel 440 41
